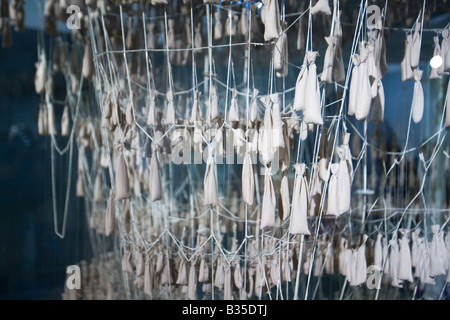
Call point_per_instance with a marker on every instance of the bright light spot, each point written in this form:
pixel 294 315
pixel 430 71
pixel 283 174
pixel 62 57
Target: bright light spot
pixel 436 62
pixel 260 4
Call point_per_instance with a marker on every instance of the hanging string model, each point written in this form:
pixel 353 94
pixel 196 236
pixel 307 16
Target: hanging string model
pixel 217 159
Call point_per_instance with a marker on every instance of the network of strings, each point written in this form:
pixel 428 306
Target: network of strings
pixel 164 242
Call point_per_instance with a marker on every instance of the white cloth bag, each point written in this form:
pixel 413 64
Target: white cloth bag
pixel 122 184
pixel 321 6
pixel 152 119
pixel 248 183
pixel 417 104
pixel 300 88
pixel 405 268
pixel 270 17
pixel 254 106
pixel 269 202
pixel 364 93
pixel 406 70
pixel 333 194
pixel 313 111
pixel 354 82
pixel 218 28
pixel 300 197
pixel 435 72
pixel 209 183
pixel 284 202
pixel 155 187
pixel 343 183
pixel 233 112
